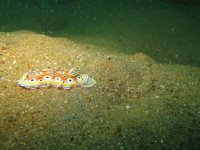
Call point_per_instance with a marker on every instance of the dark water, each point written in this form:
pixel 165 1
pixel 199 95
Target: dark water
pixel 166 30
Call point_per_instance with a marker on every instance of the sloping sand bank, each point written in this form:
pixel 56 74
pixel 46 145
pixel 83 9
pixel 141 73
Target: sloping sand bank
pixel 136 103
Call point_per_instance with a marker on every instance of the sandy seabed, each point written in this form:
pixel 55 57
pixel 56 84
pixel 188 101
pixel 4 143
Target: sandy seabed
pixel 136 103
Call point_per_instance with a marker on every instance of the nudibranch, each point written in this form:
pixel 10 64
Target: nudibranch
pixel 57 78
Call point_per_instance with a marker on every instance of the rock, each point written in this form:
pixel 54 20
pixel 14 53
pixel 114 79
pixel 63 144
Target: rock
pixel 140 57
pixel 3 46
pixel 3 59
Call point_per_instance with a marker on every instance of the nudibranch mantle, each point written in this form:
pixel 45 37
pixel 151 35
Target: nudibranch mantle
pixel 56 78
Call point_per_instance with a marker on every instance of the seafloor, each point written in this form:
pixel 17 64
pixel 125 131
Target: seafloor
pixel 136 103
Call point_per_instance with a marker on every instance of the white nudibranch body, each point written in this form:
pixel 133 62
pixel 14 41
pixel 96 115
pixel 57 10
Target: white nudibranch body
pixel 56 78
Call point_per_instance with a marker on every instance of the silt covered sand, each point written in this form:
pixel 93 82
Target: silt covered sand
pixel 136 103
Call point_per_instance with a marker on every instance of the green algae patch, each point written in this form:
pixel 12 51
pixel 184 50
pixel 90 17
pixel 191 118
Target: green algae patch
pixel 136 103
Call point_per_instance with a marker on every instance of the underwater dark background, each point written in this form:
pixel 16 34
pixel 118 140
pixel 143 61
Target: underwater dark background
pixel 166 30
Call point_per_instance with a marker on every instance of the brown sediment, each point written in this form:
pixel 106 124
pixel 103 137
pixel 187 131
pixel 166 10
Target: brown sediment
pixel 132 92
